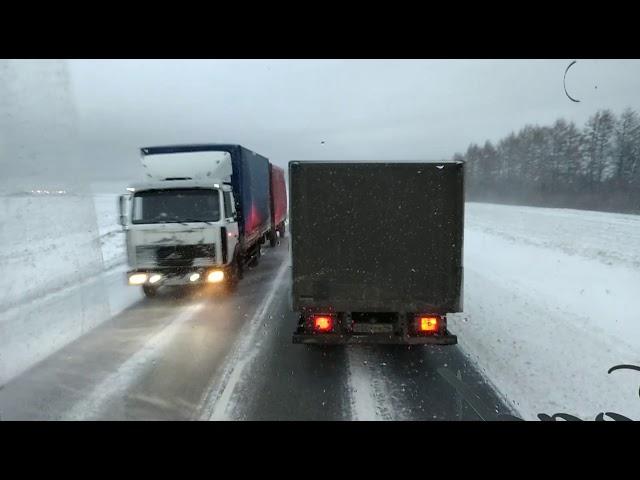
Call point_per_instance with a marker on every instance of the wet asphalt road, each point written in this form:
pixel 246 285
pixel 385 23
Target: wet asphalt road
pixel 206 355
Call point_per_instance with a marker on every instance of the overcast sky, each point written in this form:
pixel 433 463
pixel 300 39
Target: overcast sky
pixel 360 109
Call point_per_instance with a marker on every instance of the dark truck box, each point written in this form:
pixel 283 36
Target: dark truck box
pixel 376 237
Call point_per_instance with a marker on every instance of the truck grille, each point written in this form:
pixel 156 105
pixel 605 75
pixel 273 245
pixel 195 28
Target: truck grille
pixel 176 255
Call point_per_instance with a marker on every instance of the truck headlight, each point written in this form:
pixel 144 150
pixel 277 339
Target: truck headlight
pixel 137 279
pixel 155 278
pixel 215 276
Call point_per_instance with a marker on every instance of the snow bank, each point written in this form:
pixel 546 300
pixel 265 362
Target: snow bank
pixel 551 304
pixel 63 262
pixel 112 238
pixel 47 242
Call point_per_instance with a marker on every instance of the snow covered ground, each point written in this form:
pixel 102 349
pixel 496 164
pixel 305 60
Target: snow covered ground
pixel 552 302
pixel 112 241
pixel 551 296
pixel 63 264
pixel 47 242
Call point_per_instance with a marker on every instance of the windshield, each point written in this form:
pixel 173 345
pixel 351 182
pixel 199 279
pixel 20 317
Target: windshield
pixel 320 239
pixel 175 206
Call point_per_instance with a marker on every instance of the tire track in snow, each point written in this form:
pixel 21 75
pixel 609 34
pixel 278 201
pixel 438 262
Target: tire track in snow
pixel 119 381
pixel 368 387
pixel 219 404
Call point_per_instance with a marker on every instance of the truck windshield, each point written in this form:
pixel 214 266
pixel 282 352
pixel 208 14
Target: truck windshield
pixel 176 206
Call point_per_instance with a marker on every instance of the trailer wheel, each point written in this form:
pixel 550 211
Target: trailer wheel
pixel 236 274
pixel 273 238
pixel 255 259
pixel 150 291
pixel 239 267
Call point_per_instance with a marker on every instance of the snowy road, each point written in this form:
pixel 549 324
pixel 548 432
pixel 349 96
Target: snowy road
pixel 206 356
pixel 551 304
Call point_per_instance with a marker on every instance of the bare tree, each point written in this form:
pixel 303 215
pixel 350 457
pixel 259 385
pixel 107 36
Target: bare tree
pixel 627 140
pixel 599 153
pixel 561 165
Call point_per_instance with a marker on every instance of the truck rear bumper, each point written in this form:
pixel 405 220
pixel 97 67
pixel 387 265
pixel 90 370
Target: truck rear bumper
pixel 370 339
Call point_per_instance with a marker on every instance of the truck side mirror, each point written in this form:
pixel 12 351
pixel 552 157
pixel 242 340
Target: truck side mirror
pixel 122 202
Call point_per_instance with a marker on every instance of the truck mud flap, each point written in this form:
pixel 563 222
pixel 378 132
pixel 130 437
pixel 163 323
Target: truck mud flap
pixel 372 339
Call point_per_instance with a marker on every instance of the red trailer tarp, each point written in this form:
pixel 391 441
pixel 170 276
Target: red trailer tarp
pixel 278 195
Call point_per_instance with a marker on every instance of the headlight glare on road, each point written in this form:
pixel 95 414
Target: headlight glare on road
pixel 137 278
pixel 215 276
pixel 155 278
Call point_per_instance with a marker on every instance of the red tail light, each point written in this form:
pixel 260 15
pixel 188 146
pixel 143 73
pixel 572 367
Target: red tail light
pixel 322 323
pixel 428 323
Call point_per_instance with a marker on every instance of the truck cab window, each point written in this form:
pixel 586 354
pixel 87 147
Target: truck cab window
pixel 176 205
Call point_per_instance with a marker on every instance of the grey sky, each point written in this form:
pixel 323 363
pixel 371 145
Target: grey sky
pixel 361 109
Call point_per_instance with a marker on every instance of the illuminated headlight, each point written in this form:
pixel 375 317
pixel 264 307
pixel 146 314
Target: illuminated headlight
pixel 215 276
pixel 137 279
pixel 194 277
pixel 155 278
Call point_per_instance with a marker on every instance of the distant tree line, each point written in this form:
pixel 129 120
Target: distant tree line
pixel 596 167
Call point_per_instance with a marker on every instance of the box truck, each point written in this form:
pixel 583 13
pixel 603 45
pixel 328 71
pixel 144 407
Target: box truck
pixel 376 251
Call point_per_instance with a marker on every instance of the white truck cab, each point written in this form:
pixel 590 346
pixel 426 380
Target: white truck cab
pixel 176 222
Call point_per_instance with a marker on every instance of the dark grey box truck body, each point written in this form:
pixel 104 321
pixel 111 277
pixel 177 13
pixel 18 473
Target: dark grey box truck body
pixel 375 245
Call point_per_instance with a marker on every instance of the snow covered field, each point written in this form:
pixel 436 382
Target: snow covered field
pixel 552 302
pixel 47 242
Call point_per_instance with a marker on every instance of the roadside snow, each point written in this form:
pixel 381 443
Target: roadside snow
pixel 112 239
pixel 47 242
pixel 63 269
pixel 552 302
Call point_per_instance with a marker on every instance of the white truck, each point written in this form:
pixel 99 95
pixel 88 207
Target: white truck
pixel 200 218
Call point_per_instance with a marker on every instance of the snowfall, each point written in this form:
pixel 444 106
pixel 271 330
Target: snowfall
pixel 551 296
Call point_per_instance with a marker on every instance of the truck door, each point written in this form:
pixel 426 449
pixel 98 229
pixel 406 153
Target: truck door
pixel 231 224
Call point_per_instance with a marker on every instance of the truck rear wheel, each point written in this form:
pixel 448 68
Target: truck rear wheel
pixel 255 259
pixel 273 238
pixel 239 267
pixel 150 291
pixel 236 274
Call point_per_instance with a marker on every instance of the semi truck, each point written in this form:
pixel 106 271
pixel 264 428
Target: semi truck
pixel 376 251
pixel 201 215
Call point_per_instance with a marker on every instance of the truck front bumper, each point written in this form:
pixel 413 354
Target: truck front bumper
pixel 179 276
pixel 373 339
